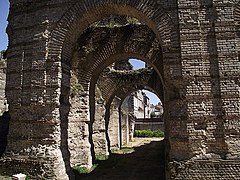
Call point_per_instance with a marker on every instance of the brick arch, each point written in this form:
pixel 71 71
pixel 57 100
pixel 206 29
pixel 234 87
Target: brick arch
pixel 120 83
pixel 96 63
pixel 113 58
pixel 237 26
pixel 82 14
pixel 121 86
pixel 237 12
pixel 113 51
pixel 237 16
pixel 85 12
pixel 122 92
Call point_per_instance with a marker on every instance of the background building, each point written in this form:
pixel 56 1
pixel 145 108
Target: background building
pixel 138 104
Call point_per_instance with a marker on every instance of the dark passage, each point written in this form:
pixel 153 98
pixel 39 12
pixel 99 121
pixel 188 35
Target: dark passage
pixel 145 163
pixel 4 128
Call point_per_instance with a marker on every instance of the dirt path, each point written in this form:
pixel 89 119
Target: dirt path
pixel 141 160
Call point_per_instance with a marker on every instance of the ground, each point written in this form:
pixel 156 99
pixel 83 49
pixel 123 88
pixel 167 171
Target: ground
pixel 143 159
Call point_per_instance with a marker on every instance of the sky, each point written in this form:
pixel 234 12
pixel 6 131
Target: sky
pixel 137 64
pixel 4 8
pixel 153 98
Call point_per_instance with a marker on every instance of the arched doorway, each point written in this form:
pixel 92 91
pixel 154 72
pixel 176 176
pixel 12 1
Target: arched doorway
pixel 59 68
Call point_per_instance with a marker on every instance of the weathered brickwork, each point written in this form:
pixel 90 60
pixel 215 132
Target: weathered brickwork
pixel 205 169
pixel 64 99
pixel 3 101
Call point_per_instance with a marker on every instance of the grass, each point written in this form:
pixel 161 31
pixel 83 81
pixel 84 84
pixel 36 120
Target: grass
pixel 5 178
pixel 123 151
pixel 101 157
pixel 84 170
pixel 81 170
pixel 148 133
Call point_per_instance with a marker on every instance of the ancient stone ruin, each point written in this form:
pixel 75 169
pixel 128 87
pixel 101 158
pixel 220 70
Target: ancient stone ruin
pixel 64 94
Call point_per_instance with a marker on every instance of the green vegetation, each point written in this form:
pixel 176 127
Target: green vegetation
pixel 84 170
pixel 2 52
pixel 111 22
pixel 101 157
pixel 5 178
pixel 124 150
pixel 148 133
pixel 75 87
pixel 81 170
pixel 153 115
pixel 132 20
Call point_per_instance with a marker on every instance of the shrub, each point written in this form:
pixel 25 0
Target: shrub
pixel 148 133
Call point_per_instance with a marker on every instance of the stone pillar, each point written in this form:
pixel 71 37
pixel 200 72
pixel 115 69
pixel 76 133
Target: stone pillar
pixel 3 101
pixel 113 129
pixel 75 118
pixel 131 121
pixel 34 136
pixel 125 129
pixel 99 130
pixel 227 47
pixel 78 131
pixel 33 93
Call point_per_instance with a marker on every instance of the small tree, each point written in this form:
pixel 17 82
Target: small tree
pixel 153 115
pixel 3 54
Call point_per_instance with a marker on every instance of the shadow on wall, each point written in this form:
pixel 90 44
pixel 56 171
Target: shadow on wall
pixel 218 146
pixel 4 129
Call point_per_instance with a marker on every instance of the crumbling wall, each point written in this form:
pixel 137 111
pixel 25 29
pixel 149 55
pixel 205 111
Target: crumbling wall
pixel 198 63
pixel 4 119
pixel 3 101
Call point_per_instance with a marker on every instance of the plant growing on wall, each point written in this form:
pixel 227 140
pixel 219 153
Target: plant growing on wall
pixel 75 87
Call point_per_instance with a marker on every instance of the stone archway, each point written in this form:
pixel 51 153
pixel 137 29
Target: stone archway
pixel 200 74
pixel 121 83
pixel 87 64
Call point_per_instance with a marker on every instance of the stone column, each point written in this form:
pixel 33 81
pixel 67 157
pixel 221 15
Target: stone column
pixel 78 131
pixel 125 129
pixel 114 124
pixel 227 47
pixel 33 90
pixel 99 130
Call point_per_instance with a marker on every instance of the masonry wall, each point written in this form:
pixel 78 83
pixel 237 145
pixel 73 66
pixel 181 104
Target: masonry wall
pixel 201 83
pixel 211 73
pixel 33 91
pixel 152 124
pixel 3 101
pixel 4 117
